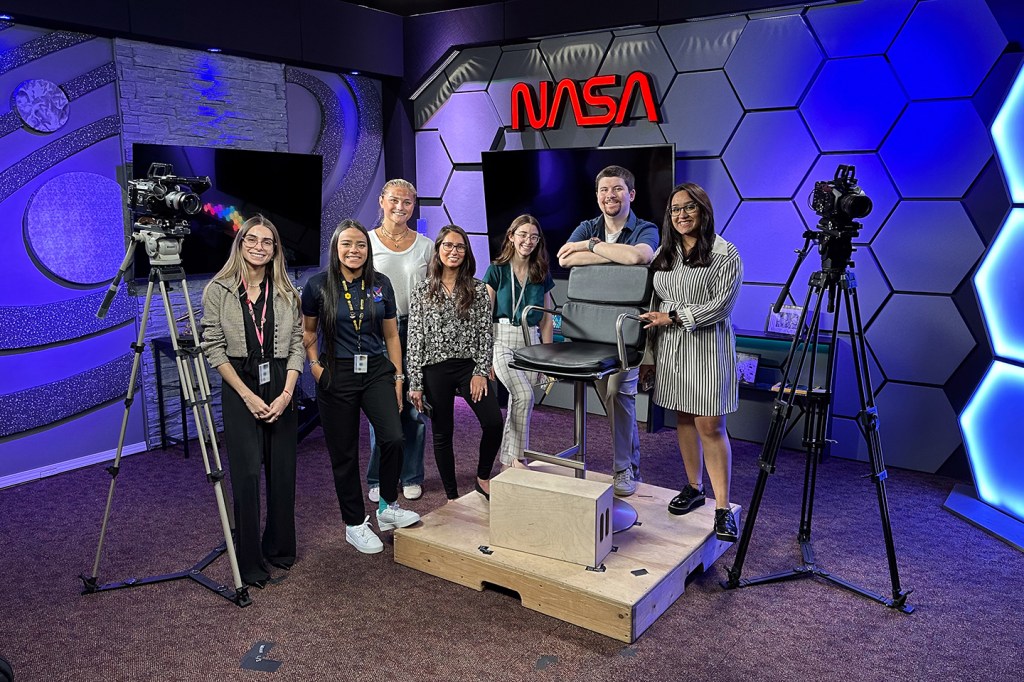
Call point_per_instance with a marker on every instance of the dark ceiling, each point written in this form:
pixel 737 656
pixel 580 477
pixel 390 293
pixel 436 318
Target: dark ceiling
pixel 408 8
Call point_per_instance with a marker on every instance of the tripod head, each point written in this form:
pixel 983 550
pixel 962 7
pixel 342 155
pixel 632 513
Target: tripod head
pixel 159 204
pixel 837 202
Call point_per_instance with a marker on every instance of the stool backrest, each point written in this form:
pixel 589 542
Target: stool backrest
pixel 598 294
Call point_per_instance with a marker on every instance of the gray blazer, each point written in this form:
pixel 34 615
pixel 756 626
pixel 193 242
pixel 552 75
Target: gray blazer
pixel 224 327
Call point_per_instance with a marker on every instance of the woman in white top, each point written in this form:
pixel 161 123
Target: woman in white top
pixel 402 254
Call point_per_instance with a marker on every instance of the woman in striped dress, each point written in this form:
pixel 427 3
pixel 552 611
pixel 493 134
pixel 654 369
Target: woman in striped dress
pixel 697 281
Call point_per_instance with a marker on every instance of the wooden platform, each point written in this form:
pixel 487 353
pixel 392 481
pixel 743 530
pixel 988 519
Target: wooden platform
pixel 644 575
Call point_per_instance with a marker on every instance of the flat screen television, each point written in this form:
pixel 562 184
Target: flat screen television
pixel 283 187
pixel 557 187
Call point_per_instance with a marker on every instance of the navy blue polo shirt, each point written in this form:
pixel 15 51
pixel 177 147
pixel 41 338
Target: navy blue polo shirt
pixel 379 305
pixel 635 231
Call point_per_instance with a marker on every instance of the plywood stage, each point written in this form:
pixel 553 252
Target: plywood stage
pixel 644 575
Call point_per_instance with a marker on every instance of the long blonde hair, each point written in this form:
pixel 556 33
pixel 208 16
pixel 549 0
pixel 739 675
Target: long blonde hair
pixel 277 268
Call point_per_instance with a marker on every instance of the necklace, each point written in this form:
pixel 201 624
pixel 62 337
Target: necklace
pixel 395 239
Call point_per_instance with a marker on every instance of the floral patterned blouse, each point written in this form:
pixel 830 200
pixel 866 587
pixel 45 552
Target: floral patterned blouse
pixel 437 333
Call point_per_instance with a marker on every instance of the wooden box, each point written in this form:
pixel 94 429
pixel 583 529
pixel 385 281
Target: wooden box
pixel 553 516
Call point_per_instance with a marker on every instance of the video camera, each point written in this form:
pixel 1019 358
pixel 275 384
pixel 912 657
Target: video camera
pixel 165 199
pixel 840 201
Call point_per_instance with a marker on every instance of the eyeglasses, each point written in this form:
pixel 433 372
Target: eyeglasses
pixel 448 246
pixel 690 208
pixel 527 237
pixel 253 240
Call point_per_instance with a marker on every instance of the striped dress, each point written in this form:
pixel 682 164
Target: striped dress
pixel 695 367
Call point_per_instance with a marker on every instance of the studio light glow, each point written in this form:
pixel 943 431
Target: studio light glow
pixel 1008 135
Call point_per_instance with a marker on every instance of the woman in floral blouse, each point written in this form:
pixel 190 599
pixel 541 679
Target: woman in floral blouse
pixel 450 351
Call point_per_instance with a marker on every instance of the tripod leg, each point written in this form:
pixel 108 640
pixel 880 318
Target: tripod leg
pixel 195 385
pixel 115 467
pixel 867 420
pixel 781 412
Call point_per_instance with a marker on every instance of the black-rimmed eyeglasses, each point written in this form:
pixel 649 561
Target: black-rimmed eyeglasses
pixel 689 208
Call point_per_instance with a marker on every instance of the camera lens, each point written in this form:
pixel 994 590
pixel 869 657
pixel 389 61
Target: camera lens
pixel 855 205
pixel 186 202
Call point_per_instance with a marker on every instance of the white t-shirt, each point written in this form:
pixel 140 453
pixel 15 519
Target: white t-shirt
pixel 405 269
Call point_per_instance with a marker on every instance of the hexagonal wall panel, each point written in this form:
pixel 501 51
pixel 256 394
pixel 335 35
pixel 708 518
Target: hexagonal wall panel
pixel 751 309
pixel 640 52
pixel 1007 132
pixel 464 201
pixel 871 176
pixel 917 426
pixel 773 62
pixel 946 48
pixel 433 217
pixel 472 68
pixel 936 149
pixel 1000 286
pixel 847 398
pixel 521 65
pixel 839 115
pixel 468 125
pixel 905 246
pixel 993 430
pixel 757 229
pixel 433 166
pixel 919 338
pixel 702 45
pixel 858 28
pixel 635 133
pixel 576 57
pixel 710 174
pixel 988 202
pixel 700 113
pixel 769 154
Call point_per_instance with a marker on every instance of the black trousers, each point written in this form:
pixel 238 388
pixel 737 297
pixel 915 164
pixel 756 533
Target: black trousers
pixel 441 383
pixel 253 444
pixel 340 398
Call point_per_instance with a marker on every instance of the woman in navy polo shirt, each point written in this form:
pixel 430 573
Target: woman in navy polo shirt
pixel 518 278
pixel 350 331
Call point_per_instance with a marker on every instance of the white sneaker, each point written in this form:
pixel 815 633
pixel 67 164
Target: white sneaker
pixel 374 493
pixel 413 491
pixel 363 538
pixel 396 517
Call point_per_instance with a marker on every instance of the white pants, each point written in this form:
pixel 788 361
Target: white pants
pixel 516 436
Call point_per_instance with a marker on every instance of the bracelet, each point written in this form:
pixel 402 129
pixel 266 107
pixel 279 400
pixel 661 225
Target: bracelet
pixel 285 390
pixel 592 243
pixel 316 362
pixel 399 377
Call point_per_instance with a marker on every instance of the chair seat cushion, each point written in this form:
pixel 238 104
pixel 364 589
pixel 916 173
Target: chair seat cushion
pixel 580 359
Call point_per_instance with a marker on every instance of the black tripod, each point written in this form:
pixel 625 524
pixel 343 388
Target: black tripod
pixel 836 281
pixel 163 247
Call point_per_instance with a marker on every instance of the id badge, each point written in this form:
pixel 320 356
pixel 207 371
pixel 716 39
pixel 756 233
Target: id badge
pixel 504 320
pixel 264 373
pixel 360 362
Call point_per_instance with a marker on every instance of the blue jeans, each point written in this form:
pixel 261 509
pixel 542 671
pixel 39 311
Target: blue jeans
pixel 413 430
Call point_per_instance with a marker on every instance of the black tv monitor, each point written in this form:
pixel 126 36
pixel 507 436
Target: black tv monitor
pixel 283 187
pixel 557 187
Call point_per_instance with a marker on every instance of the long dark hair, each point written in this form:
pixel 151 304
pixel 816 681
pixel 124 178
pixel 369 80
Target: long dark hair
pixel 332 285
pixel 672 241
pixel 538 260
pixel 464 289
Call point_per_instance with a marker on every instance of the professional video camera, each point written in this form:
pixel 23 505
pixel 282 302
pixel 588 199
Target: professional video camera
pixel 160 204
pixel 839 201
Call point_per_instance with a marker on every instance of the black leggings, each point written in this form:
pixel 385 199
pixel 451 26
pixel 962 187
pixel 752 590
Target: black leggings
pixel 441 383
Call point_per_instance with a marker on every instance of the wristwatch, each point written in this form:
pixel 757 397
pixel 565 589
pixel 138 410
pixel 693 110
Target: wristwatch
pixel 592 243
pixel 674 316
pixel 316 362
pixel 399 377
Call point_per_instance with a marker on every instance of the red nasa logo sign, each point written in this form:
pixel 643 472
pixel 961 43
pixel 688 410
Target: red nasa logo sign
pixel 590 106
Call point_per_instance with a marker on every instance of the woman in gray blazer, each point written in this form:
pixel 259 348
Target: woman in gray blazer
pixel 252 335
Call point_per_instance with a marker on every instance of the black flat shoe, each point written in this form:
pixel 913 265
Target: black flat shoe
pixel 725 525
pixel 487 495
pixel 259 584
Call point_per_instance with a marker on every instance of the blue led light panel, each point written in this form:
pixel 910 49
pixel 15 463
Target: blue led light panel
pixel 1000 286
pixel 1008 135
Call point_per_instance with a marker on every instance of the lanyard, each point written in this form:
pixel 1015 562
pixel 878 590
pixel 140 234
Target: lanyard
pixel 357 323
pixel 512 293
pixel 252 311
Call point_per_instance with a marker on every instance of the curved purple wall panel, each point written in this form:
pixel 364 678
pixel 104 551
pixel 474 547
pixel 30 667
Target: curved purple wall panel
pixel 936 149
pixel 871 176
pixel 859 28
pixel 919 338
pixel 702 45
pixel 900 246
pixel 39 325
pixel 83 250
pixel 700 113
pixel 946 48
pixel 769 155
pixel 773 61
pixel 840 114
pixel 472 69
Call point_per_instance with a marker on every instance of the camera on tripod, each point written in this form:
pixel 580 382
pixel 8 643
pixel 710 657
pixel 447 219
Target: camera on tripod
pixel 160 204
pixel 840 201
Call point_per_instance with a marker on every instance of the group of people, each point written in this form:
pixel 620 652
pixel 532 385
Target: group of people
pixel 397 326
